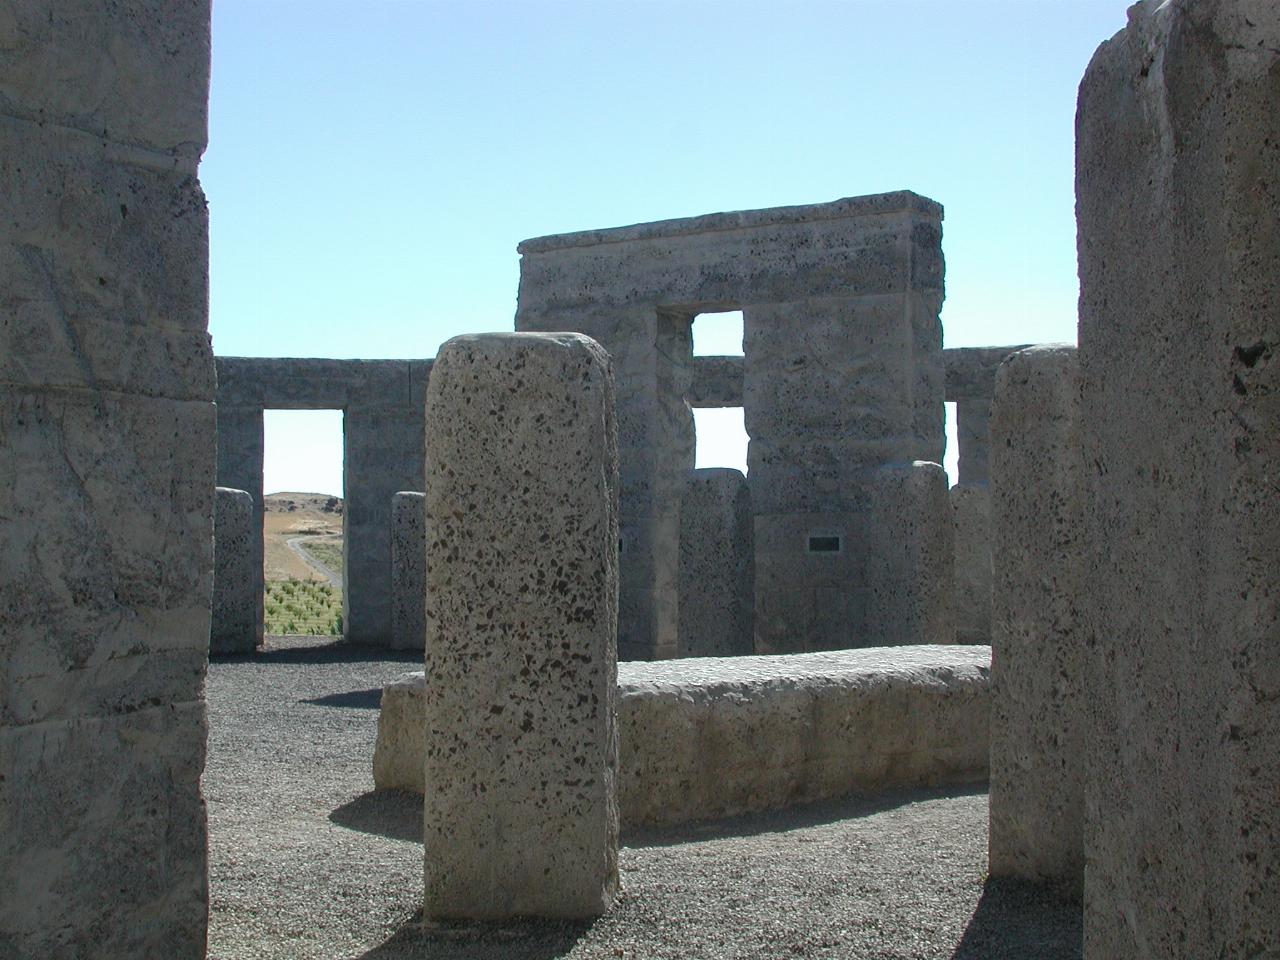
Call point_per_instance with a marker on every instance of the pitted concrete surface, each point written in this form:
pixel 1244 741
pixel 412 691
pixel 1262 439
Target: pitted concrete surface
pixel 307 864
pixel 708 737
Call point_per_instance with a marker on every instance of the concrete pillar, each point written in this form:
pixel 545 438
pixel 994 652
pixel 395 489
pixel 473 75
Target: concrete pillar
pixel 521 612
pixel 832 393
pixel 717 576
pixel 234 624
pixel 408 570
pixel 1038 653
pixel 239 467
pixel 909 561
pixel 973 437
pixel 106 480
pixel 1178 199
pixel 971 513
pixel 382 451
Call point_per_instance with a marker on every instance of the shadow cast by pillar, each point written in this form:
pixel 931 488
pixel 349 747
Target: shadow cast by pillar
pixel 1017 920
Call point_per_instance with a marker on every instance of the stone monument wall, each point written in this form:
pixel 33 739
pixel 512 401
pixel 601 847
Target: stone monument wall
pixel 383 452
pixel 106 479
pixel 842 374
pixel 1178 200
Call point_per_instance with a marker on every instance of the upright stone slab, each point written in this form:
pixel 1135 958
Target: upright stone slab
pixel 1178 198
pixel 971 513
pixel 408 570
pixel 521 661
pixel 717 569
pixel 234 624
pixel 909 559
pixel 1038 655
pixel 106 479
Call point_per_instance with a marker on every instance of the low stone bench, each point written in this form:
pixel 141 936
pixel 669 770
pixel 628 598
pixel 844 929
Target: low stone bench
pixel 710 737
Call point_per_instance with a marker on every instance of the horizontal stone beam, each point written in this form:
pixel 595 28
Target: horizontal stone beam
pixel 717 382
pixel 971 371
pixel 713 737
pixel 296 383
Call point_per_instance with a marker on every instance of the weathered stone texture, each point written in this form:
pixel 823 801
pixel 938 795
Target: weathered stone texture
pixel 842 373
pixel 408 570
pixel 106 492
pixel 521 613
pixel 971 513
pixel 970 378
pixel 706 738
pixel 1039 662
pixel 383 453
pixel 717 566
pixel 1178 198
pixel 234 624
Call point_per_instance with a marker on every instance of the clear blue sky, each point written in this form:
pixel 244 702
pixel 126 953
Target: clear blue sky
pixel 372 165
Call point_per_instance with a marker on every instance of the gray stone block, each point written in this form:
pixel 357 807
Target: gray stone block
pixel 1039 657
pixel 408 570
pixel 134 73
pixel 107 426
pixel 842 372
pixel 910 542
pixel 521 613
pixel 706 738
pixel 383 452
pixel 971 511
pixel 1178 200
pixel 233 627
pixel 717 566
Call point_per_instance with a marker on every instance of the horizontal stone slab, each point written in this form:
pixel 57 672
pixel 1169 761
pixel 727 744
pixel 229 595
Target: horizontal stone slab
pixel 712 737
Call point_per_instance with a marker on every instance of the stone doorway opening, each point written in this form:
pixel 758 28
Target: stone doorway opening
pixel 304 555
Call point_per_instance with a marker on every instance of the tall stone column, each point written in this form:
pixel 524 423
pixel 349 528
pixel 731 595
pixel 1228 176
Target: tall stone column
pixel 408 569
pixel 1038 655
pixel 522 614
pixel 240 445
pixel 717 565
pixel 1178 199
pixel 106 479
pixel 235 626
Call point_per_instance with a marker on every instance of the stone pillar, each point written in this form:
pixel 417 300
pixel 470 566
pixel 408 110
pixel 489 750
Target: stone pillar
pixel 521 661
pixel 1038 656
pixel 240 464
pixel 1178 199
pixel 652 353
pixel 408 570
pixel 106 480
pixel 832 393
pixel 909 563
pixel 973 437
pixel 234 627
pixel 717 576
pixel 971 513
pixel 382 449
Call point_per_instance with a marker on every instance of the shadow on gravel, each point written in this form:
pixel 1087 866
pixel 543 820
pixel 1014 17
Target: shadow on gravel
pixel 792 818
pixel 520 940
pixel 1022 921
pixel 304 650
pixel 396 814
pixel 370 699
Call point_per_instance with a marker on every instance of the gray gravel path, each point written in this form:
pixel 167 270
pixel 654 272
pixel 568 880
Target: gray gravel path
pixel 307 862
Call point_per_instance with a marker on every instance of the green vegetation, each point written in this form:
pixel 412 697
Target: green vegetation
pixel 328 552
pixel 303 607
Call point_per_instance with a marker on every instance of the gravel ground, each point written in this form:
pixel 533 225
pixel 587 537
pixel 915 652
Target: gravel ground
pixel 306 862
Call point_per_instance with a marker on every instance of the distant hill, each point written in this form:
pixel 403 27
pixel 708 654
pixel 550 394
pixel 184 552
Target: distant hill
pixel 288 502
